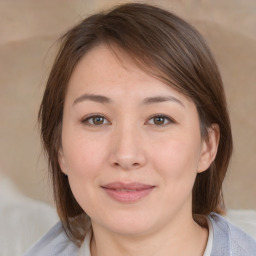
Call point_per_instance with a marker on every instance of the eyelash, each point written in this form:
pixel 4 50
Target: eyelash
pixel 86 120
pixel 165 117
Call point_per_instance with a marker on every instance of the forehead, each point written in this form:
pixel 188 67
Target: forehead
pixel 111 71
pixel 106 57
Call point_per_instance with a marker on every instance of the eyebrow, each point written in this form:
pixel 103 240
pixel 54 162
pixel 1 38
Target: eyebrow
pixel 103 99
pixel 93 97
pixel 160 99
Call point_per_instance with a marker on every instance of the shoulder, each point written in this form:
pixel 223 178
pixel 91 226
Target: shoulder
pixel 53 243
pixel 229 239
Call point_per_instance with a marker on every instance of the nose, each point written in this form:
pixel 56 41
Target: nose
pixel 127 149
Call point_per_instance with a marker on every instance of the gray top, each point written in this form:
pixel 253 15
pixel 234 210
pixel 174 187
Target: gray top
pixel 228 240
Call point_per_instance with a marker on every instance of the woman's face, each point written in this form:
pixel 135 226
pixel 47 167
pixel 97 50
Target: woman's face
pixel 131 145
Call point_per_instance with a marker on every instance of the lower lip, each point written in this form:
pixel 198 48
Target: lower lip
pixel 128 196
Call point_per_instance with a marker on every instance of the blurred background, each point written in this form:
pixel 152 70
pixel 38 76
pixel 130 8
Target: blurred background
pixel 29 30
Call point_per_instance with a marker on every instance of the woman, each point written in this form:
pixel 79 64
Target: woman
pixel 135 125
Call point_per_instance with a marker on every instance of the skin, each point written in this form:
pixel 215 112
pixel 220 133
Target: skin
pixel 128 143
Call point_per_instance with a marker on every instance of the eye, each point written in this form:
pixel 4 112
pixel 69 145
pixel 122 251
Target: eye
pixel 160 120
pixel 95 120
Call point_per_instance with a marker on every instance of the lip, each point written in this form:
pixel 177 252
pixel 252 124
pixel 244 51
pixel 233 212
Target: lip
pixel 127 192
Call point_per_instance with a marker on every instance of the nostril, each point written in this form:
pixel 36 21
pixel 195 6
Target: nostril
pixel 126 166
pixel 127 160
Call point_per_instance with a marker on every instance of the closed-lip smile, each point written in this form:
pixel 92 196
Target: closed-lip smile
pixel 127 192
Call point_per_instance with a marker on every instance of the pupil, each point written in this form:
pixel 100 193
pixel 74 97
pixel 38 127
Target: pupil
pixel 98 120
pixel 159 120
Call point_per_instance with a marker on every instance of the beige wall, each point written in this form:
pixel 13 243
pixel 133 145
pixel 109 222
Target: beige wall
pixel 28 30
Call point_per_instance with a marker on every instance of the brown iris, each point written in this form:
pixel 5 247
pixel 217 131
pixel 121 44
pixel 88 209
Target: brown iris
pixel 98 120
pixel 159 120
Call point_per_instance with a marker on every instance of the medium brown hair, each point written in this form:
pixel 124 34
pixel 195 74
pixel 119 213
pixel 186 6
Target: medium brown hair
pixel 167 47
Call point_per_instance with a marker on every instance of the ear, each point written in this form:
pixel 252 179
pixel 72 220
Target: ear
pixel 209 148
pixel 62 162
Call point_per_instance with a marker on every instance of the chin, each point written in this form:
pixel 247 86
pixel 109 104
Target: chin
pixel 129 225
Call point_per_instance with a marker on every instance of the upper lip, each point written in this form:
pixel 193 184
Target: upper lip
pixel 127 186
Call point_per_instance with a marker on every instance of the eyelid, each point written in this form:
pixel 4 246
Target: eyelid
pixel 170 119
pixel 85 119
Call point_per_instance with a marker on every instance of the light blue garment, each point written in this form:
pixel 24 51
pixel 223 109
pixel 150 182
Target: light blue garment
pixel 228 240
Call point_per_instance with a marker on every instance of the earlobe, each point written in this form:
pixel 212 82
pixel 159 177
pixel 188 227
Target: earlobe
pixel 209 148
pixel 61 161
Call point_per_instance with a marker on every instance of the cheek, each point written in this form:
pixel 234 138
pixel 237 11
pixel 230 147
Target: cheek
pixel 85 162
pixel 177 158
pixel 83 158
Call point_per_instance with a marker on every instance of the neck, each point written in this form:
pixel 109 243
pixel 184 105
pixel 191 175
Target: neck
pixel 183 238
